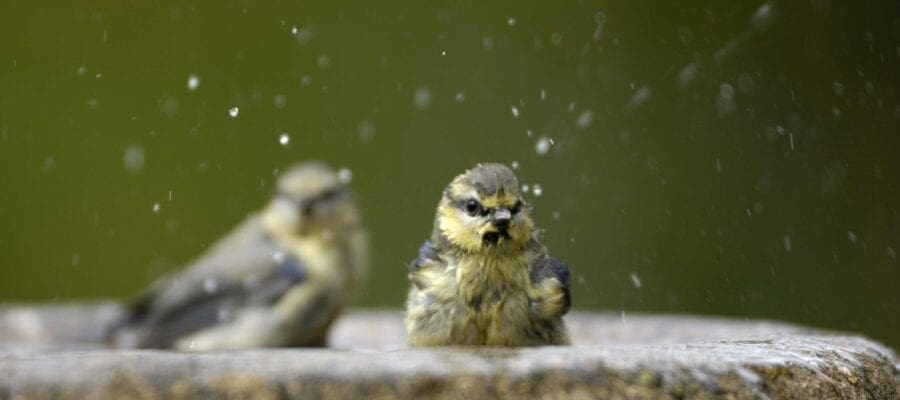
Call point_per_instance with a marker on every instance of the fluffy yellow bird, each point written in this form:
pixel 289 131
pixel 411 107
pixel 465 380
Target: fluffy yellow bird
pixel 279 279
pixel 484 278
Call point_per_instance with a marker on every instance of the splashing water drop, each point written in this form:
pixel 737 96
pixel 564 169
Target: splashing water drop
pixel 345 175
pixel 636 280
pixel 487 42
pixel 515 111
pixel 156 207
pixel 279 101
pixel 233 112
pixel 193 82
pixel 584 120
pixel 515 165
pixel 542 146
pixel 134 158
pixel 537 190
pixel 210 285
pixel 324 61
pixel 422 97
pixel 284 139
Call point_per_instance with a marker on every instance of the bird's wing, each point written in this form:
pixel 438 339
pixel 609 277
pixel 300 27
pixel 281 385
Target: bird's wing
pixel 425 264
pixel 547 267
pixel 246 268
pixel 427 257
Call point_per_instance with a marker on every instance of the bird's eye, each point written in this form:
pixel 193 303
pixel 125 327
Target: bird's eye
pixel 516 208
pixel 472 207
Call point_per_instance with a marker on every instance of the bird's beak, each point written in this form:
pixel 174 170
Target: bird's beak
pixel 501 218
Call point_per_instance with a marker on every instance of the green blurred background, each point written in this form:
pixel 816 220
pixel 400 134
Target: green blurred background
pixel 728 158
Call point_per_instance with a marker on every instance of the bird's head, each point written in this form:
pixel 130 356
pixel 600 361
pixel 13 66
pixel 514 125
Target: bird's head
pixel 482 210
pixel 311 199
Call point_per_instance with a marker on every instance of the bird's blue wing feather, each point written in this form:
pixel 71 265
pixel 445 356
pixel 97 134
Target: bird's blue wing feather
pixel 427 253
pixel 549 267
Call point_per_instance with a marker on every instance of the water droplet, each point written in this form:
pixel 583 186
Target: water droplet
pixel 788 246
pixel 687 74
pixel 156 207
pixel 838 88
pixel 487 42
pixel 366 130
pixel 543 95
pixel 233 112
pixel 193 82
pixel 422 97
pixel 542 146
pixel 323 61
pixel 210 285
pixel 134 158
pixel 725 100
pixel 48 163
pixel 638 98
pixel 762 16
pixel 511 21
pixel 890 252
pixel 515 165
pixel 81 70
pixel 584 120
pixel 306 80
pixel 345 175
pixel 726 91
pixel 851 236
pixel 284 139
pixel 460 97
pixel 537 190
pixel 76 259
pixel 279 101
pixel 636 280
pixel 301 35
pixel 443 52
pixel 526 188
pixel 515 111
pixel 556 38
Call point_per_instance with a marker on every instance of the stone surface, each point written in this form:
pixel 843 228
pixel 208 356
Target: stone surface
pixel 53 352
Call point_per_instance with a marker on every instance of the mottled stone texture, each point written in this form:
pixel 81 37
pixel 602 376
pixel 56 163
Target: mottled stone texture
pixel 53 352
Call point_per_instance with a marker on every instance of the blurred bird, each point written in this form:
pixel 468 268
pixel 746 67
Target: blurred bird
pixel 484 278
pixel 279 279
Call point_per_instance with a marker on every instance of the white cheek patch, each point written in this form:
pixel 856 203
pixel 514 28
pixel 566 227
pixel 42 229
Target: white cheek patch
pixel 474 223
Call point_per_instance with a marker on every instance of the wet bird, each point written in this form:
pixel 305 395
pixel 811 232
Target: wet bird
pixel 484 278
pixel 279 279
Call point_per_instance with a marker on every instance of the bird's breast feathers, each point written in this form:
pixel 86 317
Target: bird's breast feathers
pixel 480 300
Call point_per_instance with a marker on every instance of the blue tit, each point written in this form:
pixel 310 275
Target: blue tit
pixel 484 278
pixel 278 279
